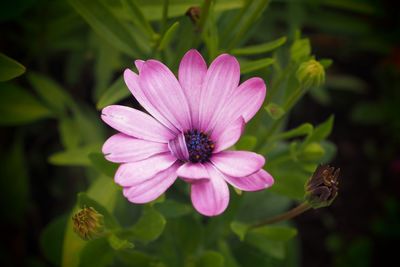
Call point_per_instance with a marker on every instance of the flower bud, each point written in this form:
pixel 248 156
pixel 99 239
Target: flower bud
pixel 322 188
pixel 88 223
pixel 311 73
pixel 194 14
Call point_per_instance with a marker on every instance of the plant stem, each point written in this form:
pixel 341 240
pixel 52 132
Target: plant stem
pixel 284 216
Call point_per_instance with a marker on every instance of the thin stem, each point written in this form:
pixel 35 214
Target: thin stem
pixel 284 216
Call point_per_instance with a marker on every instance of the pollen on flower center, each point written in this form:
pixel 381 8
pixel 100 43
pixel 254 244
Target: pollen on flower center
pixel 199 146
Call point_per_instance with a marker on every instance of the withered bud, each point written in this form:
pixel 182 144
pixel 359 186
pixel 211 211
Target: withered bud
pixel 194 14
pixel 322 187
pixel 88 223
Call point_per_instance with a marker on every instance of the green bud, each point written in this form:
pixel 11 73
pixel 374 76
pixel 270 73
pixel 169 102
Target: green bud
pixel 322 188
pixel 312 152
pixel 311 73
pixel 88 223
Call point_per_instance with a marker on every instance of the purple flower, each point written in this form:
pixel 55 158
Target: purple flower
pixel 193 121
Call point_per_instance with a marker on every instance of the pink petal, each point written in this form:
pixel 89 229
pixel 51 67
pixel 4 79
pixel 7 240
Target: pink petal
pixel 139 64
pixel 257 181
pixel 245 101
pixel 228 136
pixel 132 81
pixel 238 163
pixel 221 79
pixel 152 188
pixel 121 148
pixel 129 174
pixel 193 171
pixel 178 147
pixel 135 123
pixel 192 71
pixel 164 91
pixel 210 197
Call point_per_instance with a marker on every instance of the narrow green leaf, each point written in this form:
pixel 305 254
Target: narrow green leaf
pixel 101 164
pixel 276 233
pixel 50 92
pixel 304 129
pixel 261 48
pixel 69 133
pixel 103 22
pixel 275 111
pixel 17 106
pixel 167 37
pixel 115 93
pixel 9 68
pixel 250 66
pixel 86 201
pixel 321 131
pixel 152 10
pixel 15 181
pixel 137 17
pixel 74 157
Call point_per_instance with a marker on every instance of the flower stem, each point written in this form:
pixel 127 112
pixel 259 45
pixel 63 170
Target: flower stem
pixel 284 216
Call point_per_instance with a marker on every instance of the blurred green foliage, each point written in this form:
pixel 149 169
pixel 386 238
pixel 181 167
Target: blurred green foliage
pixel 98 40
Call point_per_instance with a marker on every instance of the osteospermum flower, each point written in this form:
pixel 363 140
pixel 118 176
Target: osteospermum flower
pixel 193 121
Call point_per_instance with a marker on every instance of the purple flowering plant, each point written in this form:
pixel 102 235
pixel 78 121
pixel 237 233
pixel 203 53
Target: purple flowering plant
pixel 187 157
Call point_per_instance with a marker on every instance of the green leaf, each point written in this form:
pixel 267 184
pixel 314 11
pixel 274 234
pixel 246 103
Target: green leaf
pixel 149 227
pixel 321 131
pixel 152 10
pixel 14 199
pixel 115 93
pixel 246 142
pixel 50 92
pixel 173 209
pixel 74 157
pixel 105 24
pixel 275 111
pixel 17 106
pixel 9 68
pixel 300 50
pixel 250 66
pixel 86 201
pixel 312 152
pixel 326 62
pixel 167 37
pixel 119 244
pixel 97 253
pixel 210 259
pixel 240 229
pixel 132 258
pixel 261 48
pixel 50 241
pixel 271 239
pixel 137 17
pixel 304 129
pixel 69 133
pixel 101 164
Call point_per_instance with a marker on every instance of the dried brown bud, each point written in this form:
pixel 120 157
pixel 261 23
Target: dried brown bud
pixel 322 188
pixel 88 223
pixel 194 14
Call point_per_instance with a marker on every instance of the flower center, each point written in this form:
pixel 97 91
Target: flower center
pixel 199 146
